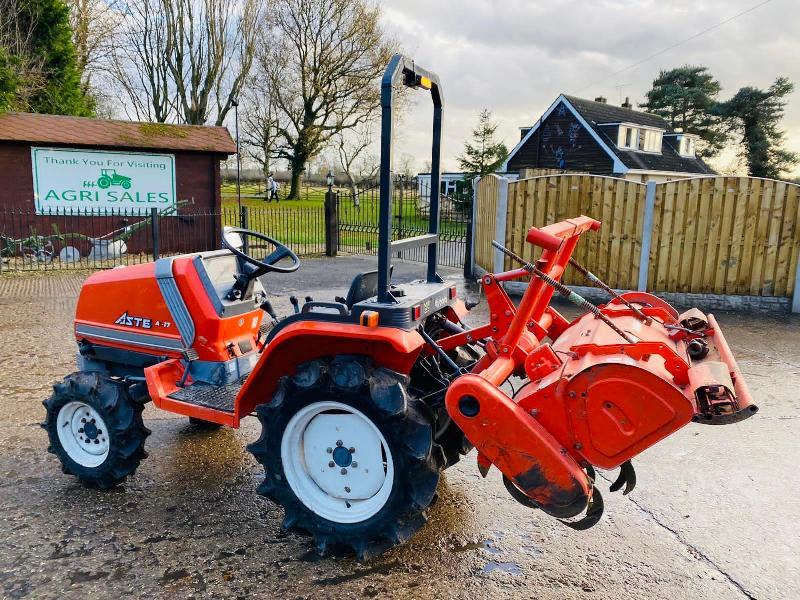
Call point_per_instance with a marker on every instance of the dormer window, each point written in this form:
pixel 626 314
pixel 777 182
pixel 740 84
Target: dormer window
pixel 686 145
pixel 643 139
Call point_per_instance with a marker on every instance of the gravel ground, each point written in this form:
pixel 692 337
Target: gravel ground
pixel 714 514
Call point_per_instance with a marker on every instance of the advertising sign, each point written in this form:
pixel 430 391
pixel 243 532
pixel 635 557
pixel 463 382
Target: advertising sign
pixel 67 180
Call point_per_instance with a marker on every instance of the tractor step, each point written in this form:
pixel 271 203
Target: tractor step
pixel 218 397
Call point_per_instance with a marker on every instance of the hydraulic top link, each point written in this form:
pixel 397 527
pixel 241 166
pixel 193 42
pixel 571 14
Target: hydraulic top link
pixel 576 299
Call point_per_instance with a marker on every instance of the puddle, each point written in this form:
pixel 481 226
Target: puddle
pixel 505 567
pixel 487 545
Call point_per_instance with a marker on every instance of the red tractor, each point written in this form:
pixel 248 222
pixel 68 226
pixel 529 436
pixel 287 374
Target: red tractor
pixel 365 400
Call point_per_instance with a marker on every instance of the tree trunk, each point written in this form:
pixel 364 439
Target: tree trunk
pixel 297 171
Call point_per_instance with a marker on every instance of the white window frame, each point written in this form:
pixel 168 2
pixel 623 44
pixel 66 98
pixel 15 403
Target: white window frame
pixel 687 146
pixel 639 137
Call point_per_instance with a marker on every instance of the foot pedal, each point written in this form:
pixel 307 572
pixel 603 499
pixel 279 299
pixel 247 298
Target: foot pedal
pixel 189 355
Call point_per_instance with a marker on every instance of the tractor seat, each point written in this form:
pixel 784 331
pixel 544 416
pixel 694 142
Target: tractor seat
pixel 364 286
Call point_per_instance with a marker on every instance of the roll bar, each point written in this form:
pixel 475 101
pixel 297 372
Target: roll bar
pixel 416 77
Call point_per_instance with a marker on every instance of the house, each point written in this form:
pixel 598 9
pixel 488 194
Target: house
pixel 595 137
pixel 450 184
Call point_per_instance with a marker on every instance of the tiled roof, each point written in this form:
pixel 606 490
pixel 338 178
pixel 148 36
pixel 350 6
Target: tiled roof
pixel 601 112
pixel 83 131
pixel 596 113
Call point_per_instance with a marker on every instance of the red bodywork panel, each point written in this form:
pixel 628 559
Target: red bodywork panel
pixel 392 348
pixel 106 296
pixel 133 291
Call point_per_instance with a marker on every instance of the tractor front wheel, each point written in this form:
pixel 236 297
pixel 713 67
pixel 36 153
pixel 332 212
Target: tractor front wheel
pixel 95 428
pixel 349 455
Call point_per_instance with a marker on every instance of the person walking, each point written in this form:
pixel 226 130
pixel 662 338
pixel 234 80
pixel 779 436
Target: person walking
pixel 275 187
pixel 268 190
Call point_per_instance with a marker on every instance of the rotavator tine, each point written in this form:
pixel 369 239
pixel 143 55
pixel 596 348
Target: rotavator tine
pixel 627 475
pixel 590 472
pixel 592 516
pixel 518 494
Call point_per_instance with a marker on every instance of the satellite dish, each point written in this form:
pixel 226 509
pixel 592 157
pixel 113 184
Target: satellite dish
pixel 69 254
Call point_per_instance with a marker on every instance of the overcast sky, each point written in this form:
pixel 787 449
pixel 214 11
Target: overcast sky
pixel 515 56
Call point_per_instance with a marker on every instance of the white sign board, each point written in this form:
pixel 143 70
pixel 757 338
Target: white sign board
pixel 67 180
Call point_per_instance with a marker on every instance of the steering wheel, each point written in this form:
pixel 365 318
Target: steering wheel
pixel 269 263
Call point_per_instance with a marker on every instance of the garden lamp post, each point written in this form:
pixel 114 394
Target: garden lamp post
pixel 235 104
pixel 330 180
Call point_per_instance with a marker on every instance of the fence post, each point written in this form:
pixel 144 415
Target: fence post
pixel 500 222
pixel 796 294
pixel 244 224
pixel 469 251
pixel 331 223
pixel 647 235
pixel 156 233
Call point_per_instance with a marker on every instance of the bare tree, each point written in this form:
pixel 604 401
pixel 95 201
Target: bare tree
pixel 186 60
pixel 260 114
pixel 138 61
pixel 332 53
pixel 93 24
pixel 349 147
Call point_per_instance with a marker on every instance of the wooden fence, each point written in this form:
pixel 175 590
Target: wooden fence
pixel 714 235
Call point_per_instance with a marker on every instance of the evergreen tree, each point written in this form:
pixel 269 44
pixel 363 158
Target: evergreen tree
pixel 755 115
pixel 483 155
pixel 41 75
pixel 685 97
pixel 8 80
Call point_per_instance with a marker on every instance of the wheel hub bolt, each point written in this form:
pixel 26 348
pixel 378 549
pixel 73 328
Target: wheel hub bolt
pixel 352 450
pixel 354 465
pixel 331 464
pixel 329 450
pixel 347 489
pixel 339 442
pixel 343 471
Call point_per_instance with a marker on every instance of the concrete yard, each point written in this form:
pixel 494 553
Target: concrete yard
pixel 714 515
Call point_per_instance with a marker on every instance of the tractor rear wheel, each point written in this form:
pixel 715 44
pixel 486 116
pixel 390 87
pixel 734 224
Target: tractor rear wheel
pixel 349 455
pixel 95 428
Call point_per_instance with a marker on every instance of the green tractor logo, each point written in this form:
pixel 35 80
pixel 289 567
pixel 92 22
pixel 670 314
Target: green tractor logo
pixel 109 177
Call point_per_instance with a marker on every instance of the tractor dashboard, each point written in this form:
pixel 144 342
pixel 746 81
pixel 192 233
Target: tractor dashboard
pixel 218 270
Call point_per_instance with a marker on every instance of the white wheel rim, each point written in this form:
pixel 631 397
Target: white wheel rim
pixel 360 481
pixel 83 434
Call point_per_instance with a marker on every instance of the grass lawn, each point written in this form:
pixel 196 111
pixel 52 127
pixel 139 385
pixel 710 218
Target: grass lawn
pixel 301 223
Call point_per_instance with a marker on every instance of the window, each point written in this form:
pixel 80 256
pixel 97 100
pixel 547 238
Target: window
pixel 686 147
pixel 639 138
pixel 650 140
pixel 628 137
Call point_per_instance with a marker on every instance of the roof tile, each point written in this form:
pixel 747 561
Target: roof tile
pixel 83 131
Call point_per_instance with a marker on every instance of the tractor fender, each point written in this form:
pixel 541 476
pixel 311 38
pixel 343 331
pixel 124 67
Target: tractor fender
pixel 302 341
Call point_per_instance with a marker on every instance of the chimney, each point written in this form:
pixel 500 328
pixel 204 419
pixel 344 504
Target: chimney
pixel 627 104
pixel 523 131
pixel 601 99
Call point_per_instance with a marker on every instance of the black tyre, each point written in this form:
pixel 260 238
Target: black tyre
pixel 95 428
pixel 349 455
pixel 202 425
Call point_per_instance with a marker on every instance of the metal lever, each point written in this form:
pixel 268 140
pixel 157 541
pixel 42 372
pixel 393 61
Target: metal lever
pixel 295 304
